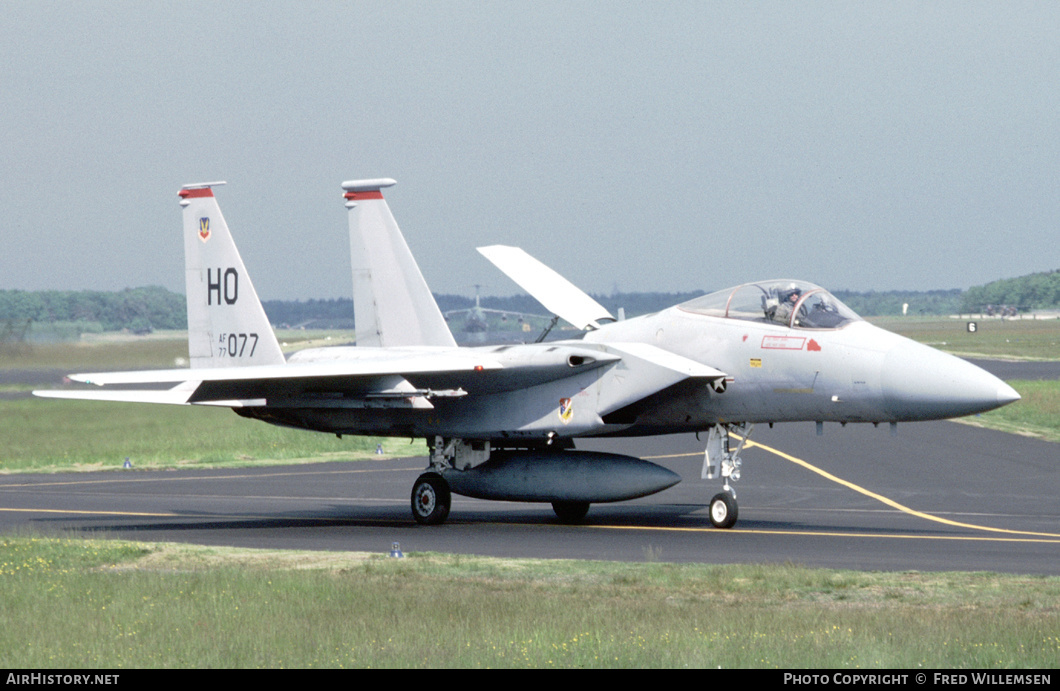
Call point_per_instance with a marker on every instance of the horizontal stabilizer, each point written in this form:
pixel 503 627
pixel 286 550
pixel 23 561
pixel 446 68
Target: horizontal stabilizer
pixel 557 294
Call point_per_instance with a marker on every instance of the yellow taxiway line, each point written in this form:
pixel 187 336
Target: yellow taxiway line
pixel 878 497
pixel 231 476
pixel 1031 536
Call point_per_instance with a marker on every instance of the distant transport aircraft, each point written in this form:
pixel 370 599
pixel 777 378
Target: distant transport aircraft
pixel 477 319
pixel 500 421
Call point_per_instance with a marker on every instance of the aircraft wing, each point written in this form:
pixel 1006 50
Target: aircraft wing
pixel 360 367
pixel 178 395
pixel 358 375
pixel 557 294
pixel 363 377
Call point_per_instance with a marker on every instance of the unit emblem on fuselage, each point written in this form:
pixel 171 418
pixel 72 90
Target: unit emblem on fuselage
pixel 566 410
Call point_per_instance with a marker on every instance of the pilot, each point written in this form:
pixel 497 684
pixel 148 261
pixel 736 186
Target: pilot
pixel 789 299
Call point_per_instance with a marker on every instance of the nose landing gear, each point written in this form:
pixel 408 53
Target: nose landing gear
pixel 720 459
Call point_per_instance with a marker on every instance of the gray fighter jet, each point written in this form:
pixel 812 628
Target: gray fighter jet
pixel 500 421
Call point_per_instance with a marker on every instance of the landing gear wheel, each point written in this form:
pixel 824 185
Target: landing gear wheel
pixel 571 511
pixel 430 499
pixel 723 510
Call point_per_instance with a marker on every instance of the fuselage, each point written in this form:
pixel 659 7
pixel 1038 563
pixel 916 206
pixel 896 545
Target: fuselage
pixel 852 371
pixel 855 373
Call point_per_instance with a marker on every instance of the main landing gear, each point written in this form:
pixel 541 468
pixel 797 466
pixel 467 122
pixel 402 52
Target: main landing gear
pixel 450 459
pixel 720 459
pixel 431 499
pixel 570 511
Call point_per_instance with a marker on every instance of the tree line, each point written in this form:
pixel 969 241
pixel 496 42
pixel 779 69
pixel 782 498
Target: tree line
pixel 1031 292
pixel 147 308
pixel 153 307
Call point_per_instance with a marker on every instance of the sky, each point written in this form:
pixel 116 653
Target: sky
pixel 631 146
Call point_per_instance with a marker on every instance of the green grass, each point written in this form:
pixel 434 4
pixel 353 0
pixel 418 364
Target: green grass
pixel 54 435
pixel 1037 414
pixel 100 352
pixel 111 604
pixel 118 351
pixel 1014 339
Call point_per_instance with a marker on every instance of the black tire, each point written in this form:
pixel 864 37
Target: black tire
pixel 723 510
pixel 430 499
pixel 571 511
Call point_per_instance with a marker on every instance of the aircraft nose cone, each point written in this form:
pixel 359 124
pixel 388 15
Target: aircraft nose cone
pixel 921 383
pixel 1006 394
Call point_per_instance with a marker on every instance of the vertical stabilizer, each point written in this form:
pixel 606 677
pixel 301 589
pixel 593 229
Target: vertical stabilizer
pixel 392 305
pixel 227 326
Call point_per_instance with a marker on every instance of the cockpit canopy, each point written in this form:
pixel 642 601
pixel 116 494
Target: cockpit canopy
pixel 797 304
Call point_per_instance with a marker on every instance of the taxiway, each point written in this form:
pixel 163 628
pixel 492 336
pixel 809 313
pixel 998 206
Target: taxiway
pixel 936 496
